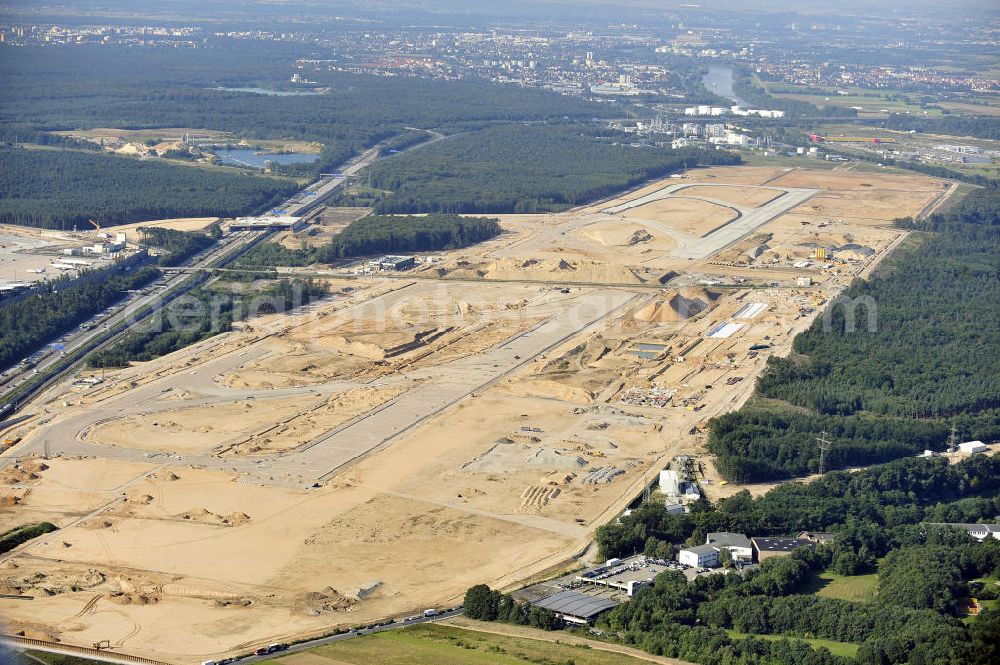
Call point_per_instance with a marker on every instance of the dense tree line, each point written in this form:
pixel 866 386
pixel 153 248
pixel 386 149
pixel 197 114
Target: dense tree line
pixel 178 246
pixel 270 254
pixel 523 168
pixel 896 494
pixel 878 512
pixel 380 234
pixel 377 234
pixel 485 604
pixel 910 621
pixel 68 88
pixel 203 313
pixel 761 442
pixel 64 189
pixel 22 534
pixel 688 620
pixel 980 127
pixel 407 139
pixel 883 512
pixel 930 362
pixel 27 325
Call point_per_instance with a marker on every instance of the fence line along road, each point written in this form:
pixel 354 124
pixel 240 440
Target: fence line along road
pixel 101 655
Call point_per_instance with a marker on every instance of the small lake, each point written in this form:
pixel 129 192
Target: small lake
pixel 273 93
pixel 719 80
pixel 248 157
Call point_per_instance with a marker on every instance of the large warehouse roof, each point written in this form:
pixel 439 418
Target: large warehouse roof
pixel 575 604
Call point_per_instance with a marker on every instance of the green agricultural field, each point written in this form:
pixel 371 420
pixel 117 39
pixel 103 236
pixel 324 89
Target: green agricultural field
pixel 869 100
pixel 445 645
pixel 44 658
pixel 836 648
pixel 757 158
pixel 858 588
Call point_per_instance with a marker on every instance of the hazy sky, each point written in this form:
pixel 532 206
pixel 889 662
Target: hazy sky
pixel 589 9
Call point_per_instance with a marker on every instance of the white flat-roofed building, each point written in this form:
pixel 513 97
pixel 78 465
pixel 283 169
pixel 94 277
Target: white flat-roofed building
pixel 700 556
pixel 978 531
pixel 972 447
pixel 266 222
pixel 739 546
pixel 669 482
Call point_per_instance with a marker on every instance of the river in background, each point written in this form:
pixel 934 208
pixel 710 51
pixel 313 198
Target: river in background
pixel 719 80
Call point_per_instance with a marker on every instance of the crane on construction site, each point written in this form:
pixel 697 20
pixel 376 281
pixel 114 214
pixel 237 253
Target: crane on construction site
pixel 97 227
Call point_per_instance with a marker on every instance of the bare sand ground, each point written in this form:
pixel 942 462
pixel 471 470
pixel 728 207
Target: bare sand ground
pixel 177 224
pixel 750 197
pixel 505 483
pixel 692 216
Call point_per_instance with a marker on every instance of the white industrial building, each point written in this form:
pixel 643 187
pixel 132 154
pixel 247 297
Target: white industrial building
pixel 978 531
pixel 669 482
pixel 269 222
pixel 699 556
pixel 972 447
pixel 739 546
pixel 734 110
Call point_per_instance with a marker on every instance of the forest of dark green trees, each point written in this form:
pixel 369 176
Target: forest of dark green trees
pixel 202 313
pixel 176 246
pixel 27 325
pixel 897 390
pixel 523 168
pixel 884 521
pixel 66 188
pixel 83 87
pixel 379 234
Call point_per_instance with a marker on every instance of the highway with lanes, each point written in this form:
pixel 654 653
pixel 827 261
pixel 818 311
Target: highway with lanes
pixel 49 364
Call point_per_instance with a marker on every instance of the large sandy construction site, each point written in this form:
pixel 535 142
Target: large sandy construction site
pixel 473 420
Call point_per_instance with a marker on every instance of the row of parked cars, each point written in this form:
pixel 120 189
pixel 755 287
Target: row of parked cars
pixel 275 648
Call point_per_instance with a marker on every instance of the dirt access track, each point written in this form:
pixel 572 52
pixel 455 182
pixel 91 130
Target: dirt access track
pixel 473 420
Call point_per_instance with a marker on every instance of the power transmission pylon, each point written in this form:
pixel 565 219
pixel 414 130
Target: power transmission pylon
pixel 824 448
pixel 952 445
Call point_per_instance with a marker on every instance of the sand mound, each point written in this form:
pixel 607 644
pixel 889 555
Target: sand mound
pixel 34 465
pixel 586 354
pixel 638 237
pixel 552 389
pixel 325 601
pixel 236 519
pixel 203 516
pixel 170 476
pixel 15 475
pixel 552 269
pixel 133 599
pixel 677 306
pixel 558 478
